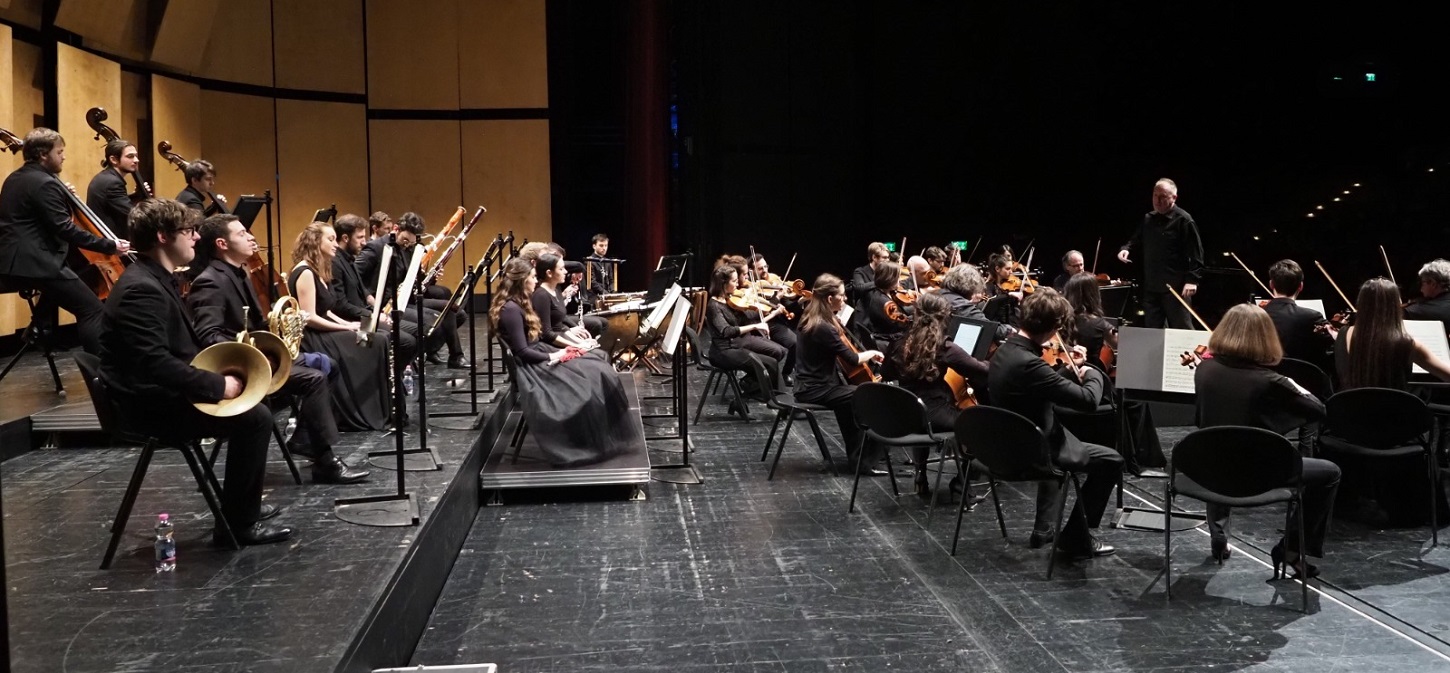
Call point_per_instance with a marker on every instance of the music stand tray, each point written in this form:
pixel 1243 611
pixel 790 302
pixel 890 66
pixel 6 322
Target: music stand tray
pixel 247 209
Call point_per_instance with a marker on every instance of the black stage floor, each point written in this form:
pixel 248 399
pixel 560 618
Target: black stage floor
pixel 736 574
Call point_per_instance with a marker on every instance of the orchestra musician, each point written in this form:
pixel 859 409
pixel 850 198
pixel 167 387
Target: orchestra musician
pixel 572 399
pixel 223 303
pixel 863 279
pixel 1298 327
pixel 106 195
pixel 1237 387
pixel 936 259
pixel 602 281
pixel 369 265
pixel 1020 380
pixel 823 344
pixel 147 344
pixel 569 293
pixel 780 330
pixel 736 336
pixel 1090 328
pixel 1434 303
pixel 380 224
pixel 966 291
pixel 1003 305
pixel 1072 265
pixel 1172 254
pixel 36 233
pixel 354 301
pixel 885 324
pixel 200 181
pixel 919 269
pixel 557 327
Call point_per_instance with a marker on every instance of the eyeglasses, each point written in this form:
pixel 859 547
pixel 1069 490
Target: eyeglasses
pixel 184 231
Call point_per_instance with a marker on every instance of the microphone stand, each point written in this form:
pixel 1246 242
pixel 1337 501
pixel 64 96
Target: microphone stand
pixel 399 508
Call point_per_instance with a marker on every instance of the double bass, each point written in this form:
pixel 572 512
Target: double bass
pixel 99 270
pixel 218 202
pixel 96 118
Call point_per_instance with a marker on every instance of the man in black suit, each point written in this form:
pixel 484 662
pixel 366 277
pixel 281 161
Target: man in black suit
pixel 147 344
pixel 1072 265
pixel 200 186
pixel 1434 303
pixel 863 279
pixel 107 195
pixel 369 263
pixel 36 233
pixel 1299 328
pixel 356 302
pixel 1172 255
pixel 223 303
pixel 1020 380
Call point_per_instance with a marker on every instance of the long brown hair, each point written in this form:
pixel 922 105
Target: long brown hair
pixel 309 249
pixel 817 309
pixel 916 355
pixel 516 274
pixel 1380 350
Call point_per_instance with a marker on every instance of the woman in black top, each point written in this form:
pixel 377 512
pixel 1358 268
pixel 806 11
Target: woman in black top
pixel 1236 387
pixel 822 345
pixel 359 383
pixel 884 327
pixel 1090 328
pixel 573 400
pixel 919 361
pixel 735 339
pixel 556 327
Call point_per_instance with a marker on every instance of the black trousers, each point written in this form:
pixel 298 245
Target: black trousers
pixel 1103 467
pixel 742 359
pixel 782 335
pixel 407 339
pixel 838 398
pixel 448 327
pixel 1161 310
pixel 247 436
pixel 1321 482
pixel 71 294
pixel 771 350
pixel 316 426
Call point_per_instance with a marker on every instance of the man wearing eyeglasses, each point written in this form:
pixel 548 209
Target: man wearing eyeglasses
pixel 1434 303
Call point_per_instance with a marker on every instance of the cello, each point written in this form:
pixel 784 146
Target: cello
pixel 96 118
pixel 99 270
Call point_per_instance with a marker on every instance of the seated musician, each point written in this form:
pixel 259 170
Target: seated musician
pixel 863 279
pixel 573 400
pixel 737 335
pixel 147 344
pixel 223 303
pixel 568 293
pixel 106 195
pixel 1303 332
pixel 1236 387
pixel 555 324
pixel 964 289
pixel 1434 302
pixel 369 264
pixel 887 319
pixel 572 291
pixel 36 234
pixel 919 362
pixel 1072 265
pixel 380 224
pixel 200 186
pixel 1376 352
pixel 936 259
pixel 781 331
pixel 1090 329
pixel 824 346
pixel 353 301
pixel 1020 380
pixel 917 276
pixel 1003 301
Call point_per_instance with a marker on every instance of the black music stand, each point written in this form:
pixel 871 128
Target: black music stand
pixel 674 343
pixel 400 508
pixel 421 459
pixel 328 214
pixel 462 294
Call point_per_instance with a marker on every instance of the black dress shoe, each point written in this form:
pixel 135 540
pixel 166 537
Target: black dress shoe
pixel 335 471
pixel 267 512
pixel 257 533
pixel 1039 540
pixel 457 362
pixel 1082 552
pixel 433 359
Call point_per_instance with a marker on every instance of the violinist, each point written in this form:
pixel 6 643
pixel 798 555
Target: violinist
pixel 823 347
pixel 781 331
pixel 1004 289
pixel 863 279
pixel 918 274
pixel 936 258
pixel 919 362
pixel 735 340
pixel 107 195
pixel 36 232
pixel 1299 328
pixel 1090 329
pixel 1172 254
pixel 964 289
pixel 1072 265
pixel 1435 294
pixel 200 181
pixel 887 317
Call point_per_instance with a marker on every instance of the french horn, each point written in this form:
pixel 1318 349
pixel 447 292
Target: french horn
pixel 288 322
pixel 259 358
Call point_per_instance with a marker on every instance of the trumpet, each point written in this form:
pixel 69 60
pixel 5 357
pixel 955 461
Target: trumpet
pixel 259 358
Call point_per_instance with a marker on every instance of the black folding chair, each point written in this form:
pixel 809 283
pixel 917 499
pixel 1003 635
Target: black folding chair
pixel 893 417
pixel 788 408
pixel 702 361
pixel 1234 466
pixel 36 334
pixel 206 480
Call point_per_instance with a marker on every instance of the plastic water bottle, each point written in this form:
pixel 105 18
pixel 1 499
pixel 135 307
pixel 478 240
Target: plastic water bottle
pixel 165 544
pixel 408 381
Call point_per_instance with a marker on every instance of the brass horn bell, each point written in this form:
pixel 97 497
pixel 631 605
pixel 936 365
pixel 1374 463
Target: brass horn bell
pixel 279 357
pixel 239 359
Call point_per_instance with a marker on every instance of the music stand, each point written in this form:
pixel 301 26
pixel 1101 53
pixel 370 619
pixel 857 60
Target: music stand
pixel 660 282
pixel 674 338
pixel 973 335
pixel 249 207
pixel 328 214
pixel 399 508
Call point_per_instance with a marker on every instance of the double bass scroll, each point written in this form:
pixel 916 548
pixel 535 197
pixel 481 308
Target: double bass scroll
pixel 96 118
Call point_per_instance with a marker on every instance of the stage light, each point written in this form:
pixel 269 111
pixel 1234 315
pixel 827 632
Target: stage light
pixel 1336 198
pixel 1356 184
pixel 1319 207
pixel 1310 215
pixel 1346 191
pixel 1256 238
pixel 1432 170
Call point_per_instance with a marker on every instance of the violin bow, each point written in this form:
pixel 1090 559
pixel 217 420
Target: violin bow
pixel 1095 256
pixel 1388 269
pixel 1255 276
pixel 1191 312
pixel 788 267
pixel 973 251
pixel 1347 302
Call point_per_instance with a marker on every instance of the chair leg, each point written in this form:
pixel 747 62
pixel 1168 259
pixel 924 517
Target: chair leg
pixel 1168 538
pixel 519 433
pixel 739 396
pixel 216 451
pixel 1303 581
pixel 891 473
pixel 770 439
pixel 705 393
pixel 821 441
pixel 996 502
pixel 118 527
pixel 1434 498
pixel 941 464
pixel 961 509
pixel 206 469
pixel 780 449
pixel 860 454
pixel 204 477
pixel 286 454
pixel 1057 519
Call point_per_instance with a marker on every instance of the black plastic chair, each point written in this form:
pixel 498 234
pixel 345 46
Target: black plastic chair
pixel 1235 466
pixel 1005 446
pixel 893 417
pixel 510 365
pixel 788 408
pixel 1378 423
pixel 1308 375
pixel 206 480
pixel 36 334
pixel 716 375
pixel 276 434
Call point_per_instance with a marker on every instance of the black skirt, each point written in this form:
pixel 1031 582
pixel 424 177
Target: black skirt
pixel 577 410
pixel 359 380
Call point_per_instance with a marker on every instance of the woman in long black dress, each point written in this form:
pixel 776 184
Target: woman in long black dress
pixel 555 326
pixel 360 388
pixel 575 405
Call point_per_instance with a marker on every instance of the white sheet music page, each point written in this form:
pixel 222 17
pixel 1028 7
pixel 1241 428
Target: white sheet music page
pixel 1178 378
pixel 1431 333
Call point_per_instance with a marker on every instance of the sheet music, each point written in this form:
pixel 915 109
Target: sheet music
pixel 1316 304
pixel 679 318
pixel 845 314
pixel 661 309
pixel 382 283
pixel 1176 377
pixel 405 291
pixel 1431 333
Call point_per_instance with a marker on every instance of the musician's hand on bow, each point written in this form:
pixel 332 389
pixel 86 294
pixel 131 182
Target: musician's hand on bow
pixel 1123 257
pixel 873 356
pixel 1189 289
pixel 122 246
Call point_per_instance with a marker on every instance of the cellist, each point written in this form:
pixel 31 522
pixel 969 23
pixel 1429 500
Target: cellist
pixel 37 230
pixel 823 345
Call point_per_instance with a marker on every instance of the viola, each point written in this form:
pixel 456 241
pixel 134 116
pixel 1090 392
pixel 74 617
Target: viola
pixel 96 118
pixel 856 372
pixel 1192 359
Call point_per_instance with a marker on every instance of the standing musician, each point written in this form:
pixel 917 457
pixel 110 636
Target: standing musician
pixel 919 362
pixel 738 336
pixel 36 232
pixel 1072 265
pixel 147 344
pixel 1020 380
pixel 863 279
pixel 223 303
pixel 1172 255
pixel 355 301
pixel 1435 294
pixel 1299 328
pixel 200 181
pixel 886 318
pixel 823 346
pixel 369 265
pixel 106 196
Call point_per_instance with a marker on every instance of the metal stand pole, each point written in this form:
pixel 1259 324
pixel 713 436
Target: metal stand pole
pixel 400 508
pixel 682 472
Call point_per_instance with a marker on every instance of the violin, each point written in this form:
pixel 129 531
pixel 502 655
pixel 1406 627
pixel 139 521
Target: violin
pixel 95 118
pixel 746 299
pixel 218 203
pixel 1054 352
pixel 1192 359
pixel 100 270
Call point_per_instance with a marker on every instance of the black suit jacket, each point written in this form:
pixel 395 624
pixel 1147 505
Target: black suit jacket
pixel 370 261
pixel 192 199
pixel 863 280
pixel 36 230
pixel 217 300
pixel 348 292
pixel 106 196
pixel 1431 309
pixel 1019 380
pixel 1295 325
pixel 1231 391
pixel 147 340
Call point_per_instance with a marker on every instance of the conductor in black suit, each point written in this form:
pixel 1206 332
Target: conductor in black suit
pixel 1298 327
pixel 107 195
pixel 36 233
pixel 1172 253
pixel 1020 380
pixel 147 344
pixel 223 304
pixel 200 186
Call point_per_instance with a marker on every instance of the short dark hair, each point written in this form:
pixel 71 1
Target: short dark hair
pixel 411 222
pixel 211 229
pixel 347 225
pixel 39 142
pixel 599 238
pixel 1044 311
pixel 1286 276
pixel 114 150
pixel 378 219
pixel 934 254
pixel 198 169
pixel 545 263
pixel 156 216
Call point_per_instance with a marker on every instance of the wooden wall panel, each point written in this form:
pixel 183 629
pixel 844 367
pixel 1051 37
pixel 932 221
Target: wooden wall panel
pixel 322 159
pixel 135 111
pixel 415 166
pixel 503 59
pixel 412 56
pixel 12 311
pixel 182 36
pixel 22 12
pixel 319 45
pixel 114 26
pixel 27 85
pixel 506 169
pixel 240 46
pixel 176 118
pixel 84 81
pixel 238 135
